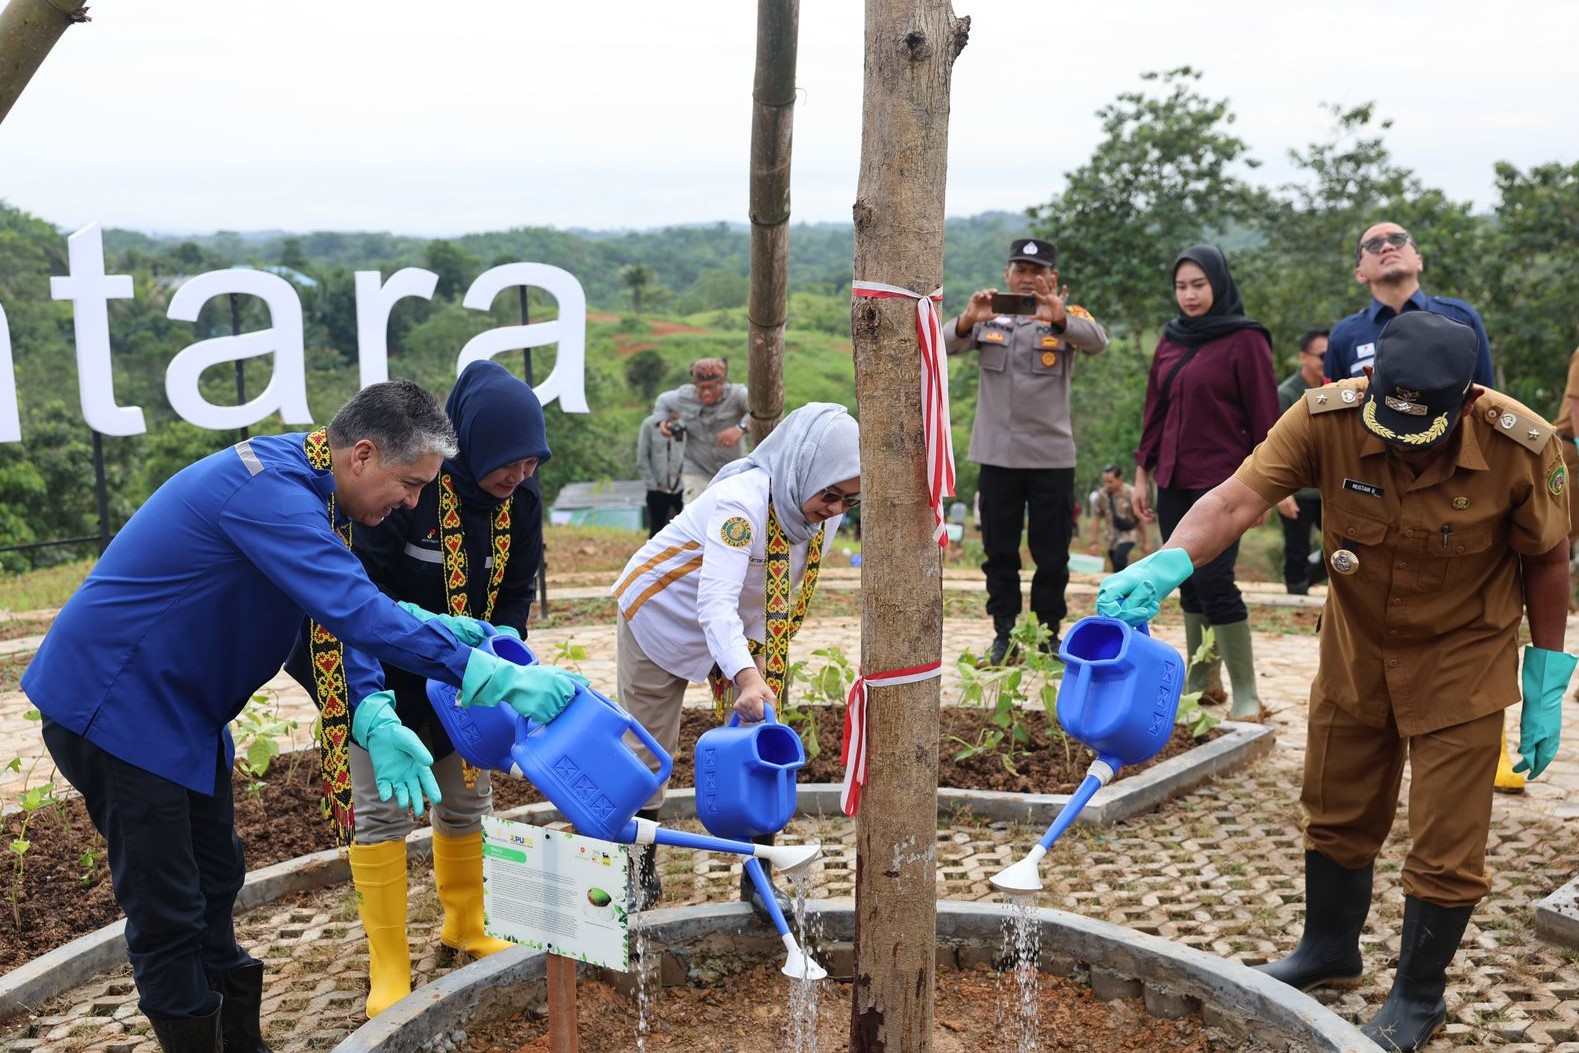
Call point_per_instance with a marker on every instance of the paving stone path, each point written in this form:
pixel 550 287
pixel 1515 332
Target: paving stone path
pixel 1219 869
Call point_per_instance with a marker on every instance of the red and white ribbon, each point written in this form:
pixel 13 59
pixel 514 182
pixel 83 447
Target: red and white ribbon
pixel 853 753
pixel 934 394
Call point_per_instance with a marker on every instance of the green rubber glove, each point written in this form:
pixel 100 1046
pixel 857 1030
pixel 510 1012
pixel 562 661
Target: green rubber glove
pixel 508 630
pixel 536 691
pixel 1135 593
pixel 402 765
pixel 1545 679
pixel 469 631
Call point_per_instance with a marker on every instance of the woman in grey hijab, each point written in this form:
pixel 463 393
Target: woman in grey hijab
pixel 696 600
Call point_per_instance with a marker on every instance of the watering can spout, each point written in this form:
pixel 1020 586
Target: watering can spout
pixel 798 965
pixel 789 859
pixel 1024 876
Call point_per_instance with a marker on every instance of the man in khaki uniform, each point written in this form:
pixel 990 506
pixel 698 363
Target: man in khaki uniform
pixel 1113 518
pixel 1446 517
pixel 1022 436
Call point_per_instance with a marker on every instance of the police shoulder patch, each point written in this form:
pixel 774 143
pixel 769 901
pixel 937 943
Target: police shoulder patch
pixel 1557 479
pixel 1079 312
pixel 735 532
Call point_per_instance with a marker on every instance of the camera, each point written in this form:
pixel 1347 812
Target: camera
pixel 676 429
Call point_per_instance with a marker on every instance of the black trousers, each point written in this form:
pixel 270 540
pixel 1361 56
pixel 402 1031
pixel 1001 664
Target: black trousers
pixel 176 865
pixel 1210 590
pixel 1119 554
pixel 662 506
pixel 1006 495
pixel 1297 569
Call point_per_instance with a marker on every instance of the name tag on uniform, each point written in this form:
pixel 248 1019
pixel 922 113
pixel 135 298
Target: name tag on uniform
pixel 993 336
pixel 1362 488
pixel 1365 351
pixel 1049 342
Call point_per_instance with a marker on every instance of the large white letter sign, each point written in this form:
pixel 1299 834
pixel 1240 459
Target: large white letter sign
pixel 10 425
pixel 287 388
pixel 568 381
pixel 89 289
pixel 374 301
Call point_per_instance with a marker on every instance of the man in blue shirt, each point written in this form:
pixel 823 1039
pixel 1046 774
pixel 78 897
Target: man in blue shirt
pixel 192 608
pixel 1387 260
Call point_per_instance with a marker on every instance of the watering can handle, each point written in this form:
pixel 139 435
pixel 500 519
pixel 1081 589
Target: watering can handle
pixel 1144 628
pixel 767 716
pixel 651 743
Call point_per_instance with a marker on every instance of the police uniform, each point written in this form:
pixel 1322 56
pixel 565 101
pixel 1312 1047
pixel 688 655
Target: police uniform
pixel 1024 441
pixel 1564 428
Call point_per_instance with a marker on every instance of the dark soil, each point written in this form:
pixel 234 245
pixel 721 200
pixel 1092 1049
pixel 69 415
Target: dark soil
pixel 750 1014
pixel 64 894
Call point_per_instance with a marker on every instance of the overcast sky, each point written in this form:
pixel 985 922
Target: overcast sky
pixel 433 118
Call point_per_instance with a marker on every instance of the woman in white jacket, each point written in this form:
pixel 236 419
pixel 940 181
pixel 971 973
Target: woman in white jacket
pixel 712 596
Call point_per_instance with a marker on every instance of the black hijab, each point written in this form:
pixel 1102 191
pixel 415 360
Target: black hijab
pixel 498 421
pixel 1227 313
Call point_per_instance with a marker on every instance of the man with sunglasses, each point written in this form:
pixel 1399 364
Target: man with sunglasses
pixel 1388 262
pixel 711 415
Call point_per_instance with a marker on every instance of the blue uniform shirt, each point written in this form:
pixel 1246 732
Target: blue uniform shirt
pixel 196 604
pixel 1352 345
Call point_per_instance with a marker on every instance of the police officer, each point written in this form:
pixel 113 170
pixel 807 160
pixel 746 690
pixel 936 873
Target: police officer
pixel 1446 518
pixel 1022 436
pixel 711 415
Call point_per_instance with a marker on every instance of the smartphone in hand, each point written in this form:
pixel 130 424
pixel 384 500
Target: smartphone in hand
pixel 1013 303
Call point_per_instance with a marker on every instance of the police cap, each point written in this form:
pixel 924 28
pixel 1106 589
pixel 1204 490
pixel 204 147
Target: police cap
pixel 1424 366
pixel 1033 250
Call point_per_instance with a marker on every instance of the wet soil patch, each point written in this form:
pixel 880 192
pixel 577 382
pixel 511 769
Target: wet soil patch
pixel 749 1014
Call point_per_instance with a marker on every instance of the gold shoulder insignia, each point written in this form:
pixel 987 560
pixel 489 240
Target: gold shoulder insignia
pixel 1515 421
pixel 1079 312
pixel 1343 395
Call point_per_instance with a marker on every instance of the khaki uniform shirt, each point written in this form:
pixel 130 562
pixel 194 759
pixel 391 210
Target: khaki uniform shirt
pixel 1565 428
pixel 1427 623
pixel 1105 506
pixel 1022 403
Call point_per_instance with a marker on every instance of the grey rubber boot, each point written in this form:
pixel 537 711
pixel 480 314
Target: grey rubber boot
pixel 1207 678
pixel 1233 641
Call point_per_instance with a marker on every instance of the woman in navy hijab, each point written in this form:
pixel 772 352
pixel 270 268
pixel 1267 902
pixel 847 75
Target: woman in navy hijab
pixel 485 503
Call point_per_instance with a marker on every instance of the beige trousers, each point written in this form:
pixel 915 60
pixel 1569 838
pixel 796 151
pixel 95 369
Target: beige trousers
pixel 652 695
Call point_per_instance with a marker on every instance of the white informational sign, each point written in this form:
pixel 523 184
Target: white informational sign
pixel 556 891
pixel 90 290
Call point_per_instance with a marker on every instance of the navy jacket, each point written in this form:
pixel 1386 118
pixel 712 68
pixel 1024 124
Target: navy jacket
pixel 1352 345
pixel 197 603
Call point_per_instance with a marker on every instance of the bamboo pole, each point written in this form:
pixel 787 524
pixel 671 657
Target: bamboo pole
pixel 911 46
pixel 28 30
pixel 772 122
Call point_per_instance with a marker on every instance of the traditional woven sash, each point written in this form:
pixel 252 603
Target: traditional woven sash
pixel 452 541
pixel 329 685
pixel 783 618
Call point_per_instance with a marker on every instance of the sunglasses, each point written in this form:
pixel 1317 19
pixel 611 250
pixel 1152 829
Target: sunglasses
pixel 1397 239
pixel 833 496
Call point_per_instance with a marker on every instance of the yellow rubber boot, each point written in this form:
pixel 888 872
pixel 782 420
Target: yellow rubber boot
pixel 457 875
pixel 379 872
pixel 1508 780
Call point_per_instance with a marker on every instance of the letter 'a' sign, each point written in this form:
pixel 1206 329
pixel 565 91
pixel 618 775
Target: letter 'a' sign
pixel 89 289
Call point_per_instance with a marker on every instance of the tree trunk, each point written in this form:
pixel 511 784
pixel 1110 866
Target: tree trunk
pixel 772 122
pixel 911 46
pixel 28 30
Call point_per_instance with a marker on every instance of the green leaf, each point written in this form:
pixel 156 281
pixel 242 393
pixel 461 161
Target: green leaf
pixel 32 714
pixel 15 764
pixel 20 845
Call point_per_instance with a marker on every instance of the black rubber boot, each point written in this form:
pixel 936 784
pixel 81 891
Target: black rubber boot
pixel 646 886
pixel 242 990
pixel 189 1034
pixel 1415 1008
pixel 1337 901
pixel 748 888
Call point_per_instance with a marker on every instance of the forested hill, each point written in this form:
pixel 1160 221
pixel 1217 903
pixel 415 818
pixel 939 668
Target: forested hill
pixel 694 267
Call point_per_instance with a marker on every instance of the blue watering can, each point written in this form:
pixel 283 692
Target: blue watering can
pixel 745 777
pixel 578 760
pixel 1120 696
